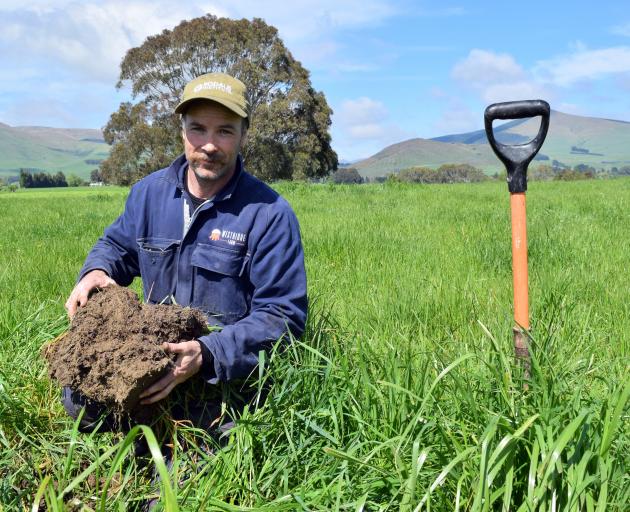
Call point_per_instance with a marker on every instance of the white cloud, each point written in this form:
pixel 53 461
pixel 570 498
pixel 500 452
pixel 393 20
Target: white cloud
pixel 82 42
pixel 92 37
pixel 311 28
pixel 457 118
pixel 303 23
pixel 40 5
pixel 621 30
pixel 577 46
pixel 371 131
pixel 88 38
pixel 520 90
pixel 362 127
pixel 584 65
pixel 581 72
pixel 363 119
pixel 307 19
pixel 483 67
pixel 362 111
pixel 495 77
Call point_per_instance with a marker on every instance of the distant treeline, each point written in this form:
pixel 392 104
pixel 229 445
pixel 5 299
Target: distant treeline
pixel 465 173
pixel 447 173
pixel 30 179
pixel 578 172
pixel 41 179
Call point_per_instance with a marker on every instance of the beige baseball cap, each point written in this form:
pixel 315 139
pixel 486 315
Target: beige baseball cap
pixel 219 87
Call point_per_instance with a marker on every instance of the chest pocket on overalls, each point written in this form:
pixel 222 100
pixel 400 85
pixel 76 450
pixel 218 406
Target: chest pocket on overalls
pixel 219 287
pixel 157 258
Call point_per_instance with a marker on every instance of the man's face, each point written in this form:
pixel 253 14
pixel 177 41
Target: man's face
pixel 212 137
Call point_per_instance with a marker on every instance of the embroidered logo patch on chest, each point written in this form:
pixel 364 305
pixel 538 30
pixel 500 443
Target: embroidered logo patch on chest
pixel 230 237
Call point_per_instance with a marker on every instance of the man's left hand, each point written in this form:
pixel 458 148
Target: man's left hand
pixel 187 364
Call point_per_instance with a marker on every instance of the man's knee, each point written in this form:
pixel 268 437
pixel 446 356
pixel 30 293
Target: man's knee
pixel 95 417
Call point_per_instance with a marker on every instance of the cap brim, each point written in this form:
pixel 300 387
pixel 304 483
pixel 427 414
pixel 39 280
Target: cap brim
pixel 227 104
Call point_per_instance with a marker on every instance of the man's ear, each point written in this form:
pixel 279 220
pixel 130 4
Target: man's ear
pixel 244 137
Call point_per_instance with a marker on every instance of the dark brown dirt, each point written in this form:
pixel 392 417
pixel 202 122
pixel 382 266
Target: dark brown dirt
pixel 112 351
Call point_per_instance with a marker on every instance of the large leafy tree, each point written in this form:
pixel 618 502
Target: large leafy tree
pixel 288 136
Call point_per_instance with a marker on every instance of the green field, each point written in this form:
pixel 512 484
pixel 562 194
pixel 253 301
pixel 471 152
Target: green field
pixel 402 395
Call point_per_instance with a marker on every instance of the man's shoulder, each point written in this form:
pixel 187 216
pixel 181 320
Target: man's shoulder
pixel 256 191
pixel 260 196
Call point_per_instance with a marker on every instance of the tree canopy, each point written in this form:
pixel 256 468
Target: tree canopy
pixel 288 136
pixel 348 175
pixel 41 179
pixel 447 173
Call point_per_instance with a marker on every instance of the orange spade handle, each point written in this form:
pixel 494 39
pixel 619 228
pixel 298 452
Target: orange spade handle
pixel 519 259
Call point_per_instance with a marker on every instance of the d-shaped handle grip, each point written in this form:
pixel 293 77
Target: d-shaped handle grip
pixel 516 157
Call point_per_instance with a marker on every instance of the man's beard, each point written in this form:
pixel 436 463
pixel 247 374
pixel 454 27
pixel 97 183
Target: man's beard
pixel 218 169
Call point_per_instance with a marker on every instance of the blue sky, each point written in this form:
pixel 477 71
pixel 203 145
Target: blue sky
pixel 390 70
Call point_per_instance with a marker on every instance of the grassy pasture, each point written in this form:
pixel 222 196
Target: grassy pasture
pixel 402 395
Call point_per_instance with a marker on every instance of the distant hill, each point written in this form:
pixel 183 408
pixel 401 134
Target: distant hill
pixel 72 151
pixel 425 152
pixel 572 140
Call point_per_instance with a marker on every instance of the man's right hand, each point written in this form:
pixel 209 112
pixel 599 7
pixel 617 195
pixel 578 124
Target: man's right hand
pixel 81 293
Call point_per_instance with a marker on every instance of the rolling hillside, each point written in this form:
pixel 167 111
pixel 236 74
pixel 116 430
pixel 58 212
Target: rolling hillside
pixel 426 152
pixel 72 151
pixel 572 140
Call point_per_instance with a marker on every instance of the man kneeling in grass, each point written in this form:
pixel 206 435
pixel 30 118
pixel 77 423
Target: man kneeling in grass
pixel 204 233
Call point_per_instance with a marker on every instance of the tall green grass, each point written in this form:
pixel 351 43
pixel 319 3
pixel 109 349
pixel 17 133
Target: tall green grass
pixel 403 393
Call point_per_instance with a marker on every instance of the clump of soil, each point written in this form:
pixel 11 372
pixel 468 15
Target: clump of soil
pixel 112 351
